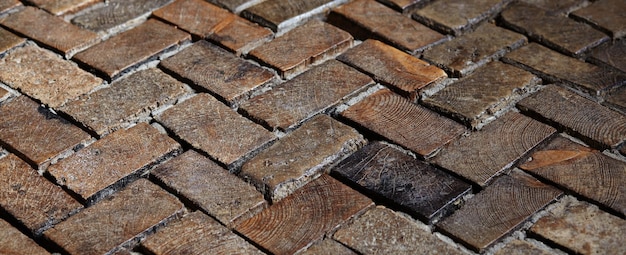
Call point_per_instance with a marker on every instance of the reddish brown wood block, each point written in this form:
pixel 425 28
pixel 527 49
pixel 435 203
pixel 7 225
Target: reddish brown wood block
pixel 9 40
pixel 14 242
pixel 522 247
pixel 62 7
pixel 404 123
pixel 305 216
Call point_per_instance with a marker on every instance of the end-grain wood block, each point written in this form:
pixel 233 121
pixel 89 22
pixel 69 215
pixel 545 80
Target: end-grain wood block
pixel 498 209
pixel 370 19
pixel 478 98
pixel 96 168
pixel 523 247
pixel 235 6
pixel 606 16
pixel 197 17
pixel 382 231
pixel 281 15
pixel 484 154
pixel 7 5
pixel 409 125
pixel 301 156
pixel 115 221
pixel 582 228
pixel 37 134
pixel 220 72
pixel 9 40
pixel 327 246
pixel 306 95
pixel 49 30
pixel 582 170
pixel 210 126
pixel 458 16
pixel 562 7
pixel 197 233
pixel 464 54
pixel 412 184
pixel 30 198
pixel 126 100
pixel 557 68
pixel 404 6
pixel 609 54
pixel 45 76
pixel 556 31
pixel 392 67
pixel 115 55
pixel 306 45
pixel 62 7
pixel 241 36
pixel 14 242
pixel 305 216
pixel 210 187
pixel 588 120
pixel 116 13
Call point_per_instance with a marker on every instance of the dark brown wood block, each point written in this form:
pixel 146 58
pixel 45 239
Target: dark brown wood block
pixel 9 40
pixel 458 16
pixel 523 247
pixel 392 67
pixel 419 188
pixel 588 120
pixel 112 16
pixel 280 15
pixel 610 54
pixel 14 242
pixel 498 209
pixel 412 126
pixel 582 170
pixel 62 7
pixel 607 16
pixel 405 6
pixel 305 216
pixel 195 16
pixel 327 247
pixel 562 7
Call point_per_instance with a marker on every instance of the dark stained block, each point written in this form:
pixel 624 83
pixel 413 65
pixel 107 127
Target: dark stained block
pixel 281 15
pixel 392 67
pixel 116 221
pixel 306 45
pixel 95 169
pixel 62 7
pixel 388 173
pixel 458 16
pixel 30 198
pixel 301 156
pixel 127 100
pixel 306 95
pixel 478 98
pixel 524 247
pixel 557 68
pixel 562 7
pixel 464 54
pixel 197 233
pixel 305 216
pixel 9 40
pixel 26 127
pixel 409 125
pixel 486 153
pixel 586 119
pixel 51 31
pixel 404 6
pixel 369 19
pixel 14 242
pixel 610 54
pixel 208 125
pixel 235 6
pixel 228 77
pixel 498 209
pixel 607 16
pixel 116 13
pixel 221 194
pixel 582 170
pixel 556 31
pixel 131 48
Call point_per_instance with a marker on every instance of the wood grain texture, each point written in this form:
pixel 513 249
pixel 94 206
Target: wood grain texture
pixel 241 36
pixel 116 13
pixel 392 67
pixel 396 177
pixel 586 119
pixel 412 126
pixel 327 247
pixel 498 209
pixel 458 16
pixel 97 230
pixel 14 242
pixel 195 16
pixel 30 198
pixel 63 6
pixel 369 19
pixel 523 247
pixel 582 170
pixel 609 54
pixel 197 233
pixel 306 95
pixel 304 216
pixel 9 40
pixel 484 154
pixel 280 15
pixel 606 16
pixel 558 7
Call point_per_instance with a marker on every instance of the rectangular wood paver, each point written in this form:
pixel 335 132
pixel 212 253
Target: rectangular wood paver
pixel 281 15
pixel 9 40
pixel 116 13
pixel 605 16
pixel 62 7
pixel 458 16
pixel 14 242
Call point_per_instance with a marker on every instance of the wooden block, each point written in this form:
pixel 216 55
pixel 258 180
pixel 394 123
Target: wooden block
pixel 195 16
pixel 116 13
pixel 7 5
pixel 305 216
pixel 306 95
pixel 241 36
pixel 327 247
pixel 458 16
pixel 235 6
pixel 281 15
pixel 62 7
pixel 301 156
pixel 608 54
pixel 9 40
pixel 397 178
pixel 582 170
pixel 497 210
pixel 405 6
pixel 523 247
pixel 584 118
pixel 605 16
pixel 486 153
pixel 562 7
pixel 395 118
pixel 14 242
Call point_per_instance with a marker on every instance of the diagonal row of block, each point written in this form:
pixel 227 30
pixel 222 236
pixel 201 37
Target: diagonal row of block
pixel 230 125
